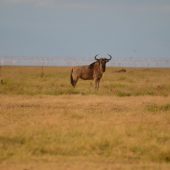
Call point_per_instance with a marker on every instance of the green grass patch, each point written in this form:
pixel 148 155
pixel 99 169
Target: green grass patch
pixel 158 108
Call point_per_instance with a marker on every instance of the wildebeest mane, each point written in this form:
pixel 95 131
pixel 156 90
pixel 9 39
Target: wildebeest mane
pixel 91 66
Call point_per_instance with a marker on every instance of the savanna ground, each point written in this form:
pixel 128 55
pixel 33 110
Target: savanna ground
pixel 46 124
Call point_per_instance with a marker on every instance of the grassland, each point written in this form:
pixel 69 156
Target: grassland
pixel 55 81
pixel 46 124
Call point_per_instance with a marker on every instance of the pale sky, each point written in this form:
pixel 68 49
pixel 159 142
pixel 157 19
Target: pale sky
pixel 68 28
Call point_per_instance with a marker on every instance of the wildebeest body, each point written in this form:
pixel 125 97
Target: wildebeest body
pixel 93 71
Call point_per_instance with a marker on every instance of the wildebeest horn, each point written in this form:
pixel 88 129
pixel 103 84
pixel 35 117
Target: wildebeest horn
pixel 95 57
pixel 109 56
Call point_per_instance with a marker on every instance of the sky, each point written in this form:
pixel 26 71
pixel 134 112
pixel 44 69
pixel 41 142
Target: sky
pixel 83 28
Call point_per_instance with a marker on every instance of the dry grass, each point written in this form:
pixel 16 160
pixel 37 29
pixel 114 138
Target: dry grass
pixel 89 130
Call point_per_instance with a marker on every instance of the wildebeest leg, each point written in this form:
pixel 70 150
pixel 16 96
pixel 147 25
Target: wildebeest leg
pixel 97 83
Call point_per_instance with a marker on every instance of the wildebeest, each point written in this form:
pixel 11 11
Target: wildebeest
pixel 94 71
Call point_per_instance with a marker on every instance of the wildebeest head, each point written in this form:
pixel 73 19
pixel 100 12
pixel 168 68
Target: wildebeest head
pixel 102 62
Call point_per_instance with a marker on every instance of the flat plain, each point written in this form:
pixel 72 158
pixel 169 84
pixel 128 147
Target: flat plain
pixel 47 124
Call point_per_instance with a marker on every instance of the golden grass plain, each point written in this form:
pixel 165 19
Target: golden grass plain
pixel 46 124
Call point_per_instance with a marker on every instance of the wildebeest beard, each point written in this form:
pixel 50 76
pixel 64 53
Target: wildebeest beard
pixel 103 67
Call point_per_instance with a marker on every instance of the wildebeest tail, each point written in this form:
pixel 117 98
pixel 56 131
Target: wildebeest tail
pixel 71 78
